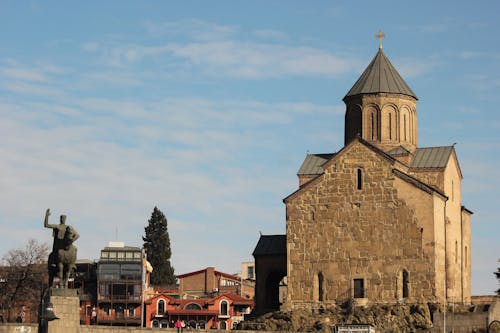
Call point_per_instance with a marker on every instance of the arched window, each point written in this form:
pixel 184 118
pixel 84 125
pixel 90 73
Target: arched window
pixel 223 308
pixel 160 307
pixel 223 325
pixel 390 126
pixel 155 323
pixel 320 287
pixel 406 281
pixel 404 130
pixel 360 179
pixel 372 117
pixel 192 306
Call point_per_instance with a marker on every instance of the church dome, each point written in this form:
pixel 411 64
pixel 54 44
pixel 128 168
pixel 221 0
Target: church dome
pixel 380 77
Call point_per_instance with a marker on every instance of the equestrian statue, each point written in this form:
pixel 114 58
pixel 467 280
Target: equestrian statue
pixel 63 256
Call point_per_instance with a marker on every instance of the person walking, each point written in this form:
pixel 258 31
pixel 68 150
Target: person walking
pixel 178 325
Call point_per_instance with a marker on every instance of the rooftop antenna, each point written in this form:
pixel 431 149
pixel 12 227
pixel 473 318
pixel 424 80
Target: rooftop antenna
pixel 380 35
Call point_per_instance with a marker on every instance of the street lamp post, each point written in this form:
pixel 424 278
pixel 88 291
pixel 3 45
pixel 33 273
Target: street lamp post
pixel 45 311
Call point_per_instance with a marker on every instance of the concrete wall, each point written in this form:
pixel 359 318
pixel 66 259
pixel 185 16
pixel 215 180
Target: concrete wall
pixel 461 322
pixel 17 328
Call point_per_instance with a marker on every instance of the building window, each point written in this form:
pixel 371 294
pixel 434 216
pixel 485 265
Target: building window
pixel 359 288
pixel 192 306
pixel 373 126
pixel 131 311
pixel 320 287
pixel 155 324
pixel 404 123
pixel 161 307
pixel 223 325
pixel 360 179
pixel 223 308
pixel 406 281
pixel 390 126
pixel 250 272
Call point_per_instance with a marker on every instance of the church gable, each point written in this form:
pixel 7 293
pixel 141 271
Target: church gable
pixel 353 166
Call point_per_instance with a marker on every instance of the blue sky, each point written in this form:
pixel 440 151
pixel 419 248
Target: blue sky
pixel 207 109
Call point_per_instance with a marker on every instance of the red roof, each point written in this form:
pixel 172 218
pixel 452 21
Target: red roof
pixel 227 275
pixel 237 299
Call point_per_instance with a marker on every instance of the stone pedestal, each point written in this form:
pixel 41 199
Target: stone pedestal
pixel 66 305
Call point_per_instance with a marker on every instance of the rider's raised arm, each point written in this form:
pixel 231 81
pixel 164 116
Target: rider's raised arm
pixel 46 221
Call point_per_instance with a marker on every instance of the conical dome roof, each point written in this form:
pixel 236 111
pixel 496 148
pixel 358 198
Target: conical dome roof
pixel 380 77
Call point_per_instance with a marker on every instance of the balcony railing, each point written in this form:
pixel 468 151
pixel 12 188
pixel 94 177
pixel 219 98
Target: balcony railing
pixel 120 298
pixel 118 318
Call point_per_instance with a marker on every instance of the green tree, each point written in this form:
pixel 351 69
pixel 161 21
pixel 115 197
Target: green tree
pixel 157 247
pixel 497 274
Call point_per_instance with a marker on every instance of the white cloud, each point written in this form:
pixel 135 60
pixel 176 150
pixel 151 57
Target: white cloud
pixel 194 29
pixel 255 61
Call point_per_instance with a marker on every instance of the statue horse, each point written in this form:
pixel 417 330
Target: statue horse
pixel 61 261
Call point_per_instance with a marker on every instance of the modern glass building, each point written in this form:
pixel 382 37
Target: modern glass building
pixel 120 285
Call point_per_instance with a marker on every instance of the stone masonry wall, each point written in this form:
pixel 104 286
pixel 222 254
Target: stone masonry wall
pixel 345 233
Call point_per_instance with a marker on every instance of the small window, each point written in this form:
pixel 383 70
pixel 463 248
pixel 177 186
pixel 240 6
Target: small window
pixel 223 325
pixel 406 281
pixel 320 287
pixel 360 179
pixel 223 308
pixel 250 274
pixel 404 124
pixel 131 311
pixel 161 307
pixel 390 126
pixel 359 288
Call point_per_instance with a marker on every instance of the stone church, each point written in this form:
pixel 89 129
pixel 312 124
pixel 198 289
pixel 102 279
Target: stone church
pixel 379 221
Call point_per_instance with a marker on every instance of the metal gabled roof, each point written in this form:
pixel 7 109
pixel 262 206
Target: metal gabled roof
pixel 399 151
pixel 313 164
pixel 380 77
pixel 431 157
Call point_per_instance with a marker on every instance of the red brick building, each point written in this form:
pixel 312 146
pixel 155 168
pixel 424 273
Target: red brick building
pixel 209 282
pixel 220 312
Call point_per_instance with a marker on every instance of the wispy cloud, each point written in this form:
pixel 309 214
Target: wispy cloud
pixel 218 51
pixel 194 29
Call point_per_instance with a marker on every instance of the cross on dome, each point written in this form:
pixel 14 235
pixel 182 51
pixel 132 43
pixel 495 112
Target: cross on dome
pixel 380 35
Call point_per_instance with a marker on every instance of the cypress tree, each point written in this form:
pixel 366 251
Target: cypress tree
pixel 157 247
